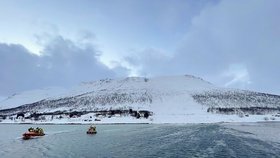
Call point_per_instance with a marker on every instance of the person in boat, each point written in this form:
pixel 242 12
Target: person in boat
pixel 92 129
pixel 37 130
pixel 40 131
pixel 30 129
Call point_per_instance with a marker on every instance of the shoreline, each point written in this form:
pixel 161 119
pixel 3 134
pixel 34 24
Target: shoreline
pixel 129 123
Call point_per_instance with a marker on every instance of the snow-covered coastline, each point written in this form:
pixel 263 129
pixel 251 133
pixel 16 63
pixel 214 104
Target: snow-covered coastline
pixel 167 119
pixel 170 99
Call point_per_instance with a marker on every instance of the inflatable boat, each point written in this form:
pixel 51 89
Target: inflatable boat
pixel 33 133
pixel 92 130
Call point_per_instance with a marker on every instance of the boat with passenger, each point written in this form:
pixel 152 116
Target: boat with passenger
pixel 92 130
pixel 33 133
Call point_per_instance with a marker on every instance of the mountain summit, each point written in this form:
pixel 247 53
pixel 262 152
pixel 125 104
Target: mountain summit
pixel 168 99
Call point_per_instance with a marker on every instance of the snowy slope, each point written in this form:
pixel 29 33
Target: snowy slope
pixel 30 97
pixel 170 99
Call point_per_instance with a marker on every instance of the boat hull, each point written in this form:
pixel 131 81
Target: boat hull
pixel 91 132
pixel 29 135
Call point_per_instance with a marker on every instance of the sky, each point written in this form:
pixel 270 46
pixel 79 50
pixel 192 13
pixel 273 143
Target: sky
pixel 233 44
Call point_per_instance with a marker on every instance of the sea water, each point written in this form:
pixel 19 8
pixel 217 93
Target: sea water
pixel 136 140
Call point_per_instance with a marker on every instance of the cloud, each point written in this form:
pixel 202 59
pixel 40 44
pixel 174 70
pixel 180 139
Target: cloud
pixel 62 62
pixel 238 75
pixel 16 64
pixel 226 34
pixel 148 62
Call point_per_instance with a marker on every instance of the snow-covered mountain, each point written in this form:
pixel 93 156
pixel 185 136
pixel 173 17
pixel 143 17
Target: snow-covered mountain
pixel 171 99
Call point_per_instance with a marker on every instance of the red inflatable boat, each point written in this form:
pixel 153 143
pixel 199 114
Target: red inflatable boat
pixel 33 132
pixel 29 135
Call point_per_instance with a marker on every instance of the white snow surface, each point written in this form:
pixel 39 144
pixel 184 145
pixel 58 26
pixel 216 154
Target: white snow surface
pixel 173 85
pixel 32 96
pixel 172 100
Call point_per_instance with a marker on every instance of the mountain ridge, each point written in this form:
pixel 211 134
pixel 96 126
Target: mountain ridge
pixel 168 97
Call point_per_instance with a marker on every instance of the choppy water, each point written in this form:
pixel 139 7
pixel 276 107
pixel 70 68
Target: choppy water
pixel 126 141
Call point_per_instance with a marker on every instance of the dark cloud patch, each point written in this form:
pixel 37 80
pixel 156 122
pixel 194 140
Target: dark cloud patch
pixel 62 63
pixel 17 68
